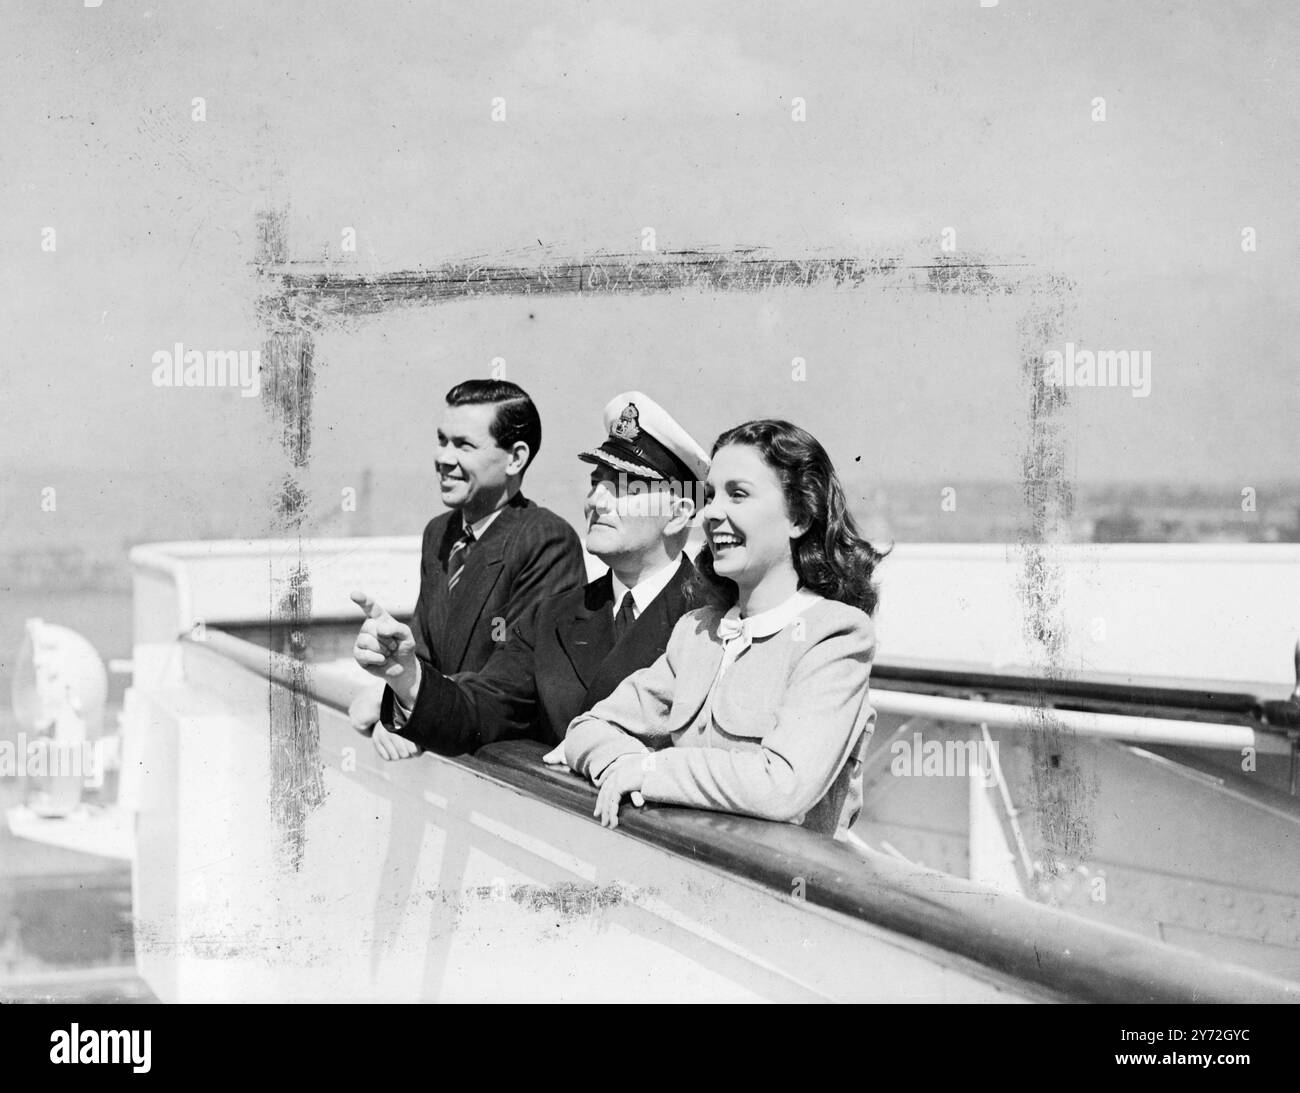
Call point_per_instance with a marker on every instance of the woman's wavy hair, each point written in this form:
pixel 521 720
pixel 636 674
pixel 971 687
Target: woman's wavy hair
pixel 831 558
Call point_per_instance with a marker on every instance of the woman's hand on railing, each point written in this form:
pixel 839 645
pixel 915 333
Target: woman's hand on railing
pixel 623 776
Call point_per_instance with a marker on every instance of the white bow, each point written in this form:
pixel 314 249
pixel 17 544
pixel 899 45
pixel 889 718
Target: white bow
pixel 730 628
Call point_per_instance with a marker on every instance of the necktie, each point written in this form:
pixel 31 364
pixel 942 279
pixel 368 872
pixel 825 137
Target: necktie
pixel 456 559
pixel 624 618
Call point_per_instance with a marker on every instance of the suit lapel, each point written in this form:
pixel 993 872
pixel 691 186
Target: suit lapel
pixel 588 635
pixel 465 603
pixel 643 644
pixel 433 591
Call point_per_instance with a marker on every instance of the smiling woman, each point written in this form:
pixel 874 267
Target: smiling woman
pixel 759 704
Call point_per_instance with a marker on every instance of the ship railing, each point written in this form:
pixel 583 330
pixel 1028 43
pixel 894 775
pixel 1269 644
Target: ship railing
pixel 1147 712
pixel 1057 954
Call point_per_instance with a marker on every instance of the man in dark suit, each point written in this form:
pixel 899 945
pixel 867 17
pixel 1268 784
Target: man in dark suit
pixel 494 554
pixel 571 650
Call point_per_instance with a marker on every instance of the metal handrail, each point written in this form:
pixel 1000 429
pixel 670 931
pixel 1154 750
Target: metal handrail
pixel 1035 718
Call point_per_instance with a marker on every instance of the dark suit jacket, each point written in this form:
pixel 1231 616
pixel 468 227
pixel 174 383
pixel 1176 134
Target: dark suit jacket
pixel 528 554
pixel 559 662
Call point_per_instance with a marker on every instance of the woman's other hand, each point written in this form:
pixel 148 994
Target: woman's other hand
pixel 624 776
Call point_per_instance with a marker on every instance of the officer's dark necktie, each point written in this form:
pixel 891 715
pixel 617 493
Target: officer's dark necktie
pixel 624 618
pixel 456 559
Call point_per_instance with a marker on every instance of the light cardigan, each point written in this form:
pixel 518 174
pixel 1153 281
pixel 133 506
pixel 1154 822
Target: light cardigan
pixel 780 737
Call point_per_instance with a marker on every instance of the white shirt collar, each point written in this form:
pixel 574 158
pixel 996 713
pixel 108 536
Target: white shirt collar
pixel 769 622
pixel 478 527
pixel 646 589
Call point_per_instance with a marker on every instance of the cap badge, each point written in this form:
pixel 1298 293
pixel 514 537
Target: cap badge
pixel 627 427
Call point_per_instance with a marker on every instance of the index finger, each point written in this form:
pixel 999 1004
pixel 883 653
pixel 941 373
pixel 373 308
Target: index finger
pixel 368 604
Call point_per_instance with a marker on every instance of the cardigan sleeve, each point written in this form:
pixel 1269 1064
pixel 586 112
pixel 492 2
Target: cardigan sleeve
pixel 633 715
pixel 819 722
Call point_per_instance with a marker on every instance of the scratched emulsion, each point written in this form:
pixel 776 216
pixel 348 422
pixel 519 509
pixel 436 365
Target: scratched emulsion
pixel 297 777
pixel 297 785
pixel 551 905
pixel 313 295
pixel 1062 785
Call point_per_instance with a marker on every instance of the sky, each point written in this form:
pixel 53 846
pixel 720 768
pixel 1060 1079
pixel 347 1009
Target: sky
pixel 678 116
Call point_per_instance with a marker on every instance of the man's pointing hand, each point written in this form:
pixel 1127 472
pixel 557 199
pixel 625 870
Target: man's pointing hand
pixel 386 649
